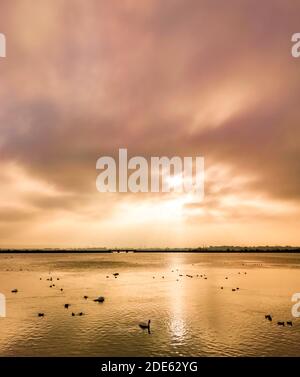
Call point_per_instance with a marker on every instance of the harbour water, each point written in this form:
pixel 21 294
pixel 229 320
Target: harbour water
pixel 191 315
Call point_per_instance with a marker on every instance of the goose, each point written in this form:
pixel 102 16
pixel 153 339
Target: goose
pixel 268 317
pixel 144 325
pixel 279 323
pixel 14 291
pixel 67 306
pixel 85 297
pixel 289 323
pixel 81 313
pixel 99 299
pixel 233 290
pixel 116 274
pixel 61 289
pixel 41 314
pixel 73 314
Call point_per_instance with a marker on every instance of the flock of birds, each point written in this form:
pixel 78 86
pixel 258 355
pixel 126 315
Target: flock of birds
pixel 146 325
pixel 100 299
pixel 279 323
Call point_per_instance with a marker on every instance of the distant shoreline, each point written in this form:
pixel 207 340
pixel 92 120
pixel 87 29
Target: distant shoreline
pixel 225 249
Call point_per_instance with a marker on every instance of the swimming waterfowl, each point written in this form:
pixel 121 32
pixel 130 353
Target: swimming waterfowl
pixel 67 306
pixel 144 325
pixel 85 297
pixel 41 314
pixel 14 291
pixel 289 323
pixel 279 323
pixel 99 299
pixel 268 317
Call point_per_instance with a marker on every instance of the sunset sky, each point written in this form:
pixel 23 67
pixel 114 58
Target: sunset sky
pixel 210 78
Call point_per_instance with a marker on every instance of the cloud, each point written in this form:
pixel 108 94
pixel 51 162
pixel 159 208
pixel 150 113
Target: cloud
pixel 159 78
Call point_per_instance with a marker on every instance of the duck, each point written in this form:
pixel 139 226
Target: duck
pixel 99 299
pixel 144 325
pixel 41 314
pixel 268 317
pixel 14 291
pixel 280 323
pixel 67 306
pixel 289 323
pixel 85 297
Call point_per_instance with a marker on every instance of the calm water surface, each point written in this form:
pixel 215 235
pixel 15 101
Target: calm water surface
pixel 190 316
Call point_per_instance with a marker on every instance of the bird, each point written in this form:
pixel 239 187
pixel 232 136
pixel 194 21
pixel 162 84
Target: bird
pixel 61 289
pixel 73 314
pixel 289 323
pixel 99 299
pixel 233 290
pixel 144 325
pixel 279 323
pixel 67 306
pixel 41 314
pixel 116 274
pixel 14 291
pixel 81 313
pixel 85 297
pixel 268 317
pixel 222 288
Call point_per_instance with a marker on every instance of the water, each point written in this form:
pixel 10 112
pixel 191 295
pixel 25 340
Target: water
pixel 190 316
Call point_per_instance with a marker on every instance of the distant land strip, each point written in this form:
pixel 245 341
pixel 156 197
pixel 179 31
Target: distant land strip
pixel 209 249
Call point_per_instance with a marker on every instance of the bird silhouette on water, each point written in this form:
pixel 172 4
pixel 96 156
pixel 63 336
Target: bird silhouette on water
pixel 145 326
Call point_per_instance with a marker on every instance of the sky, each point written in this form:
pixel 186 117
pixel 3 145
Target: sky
pixel 161 78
